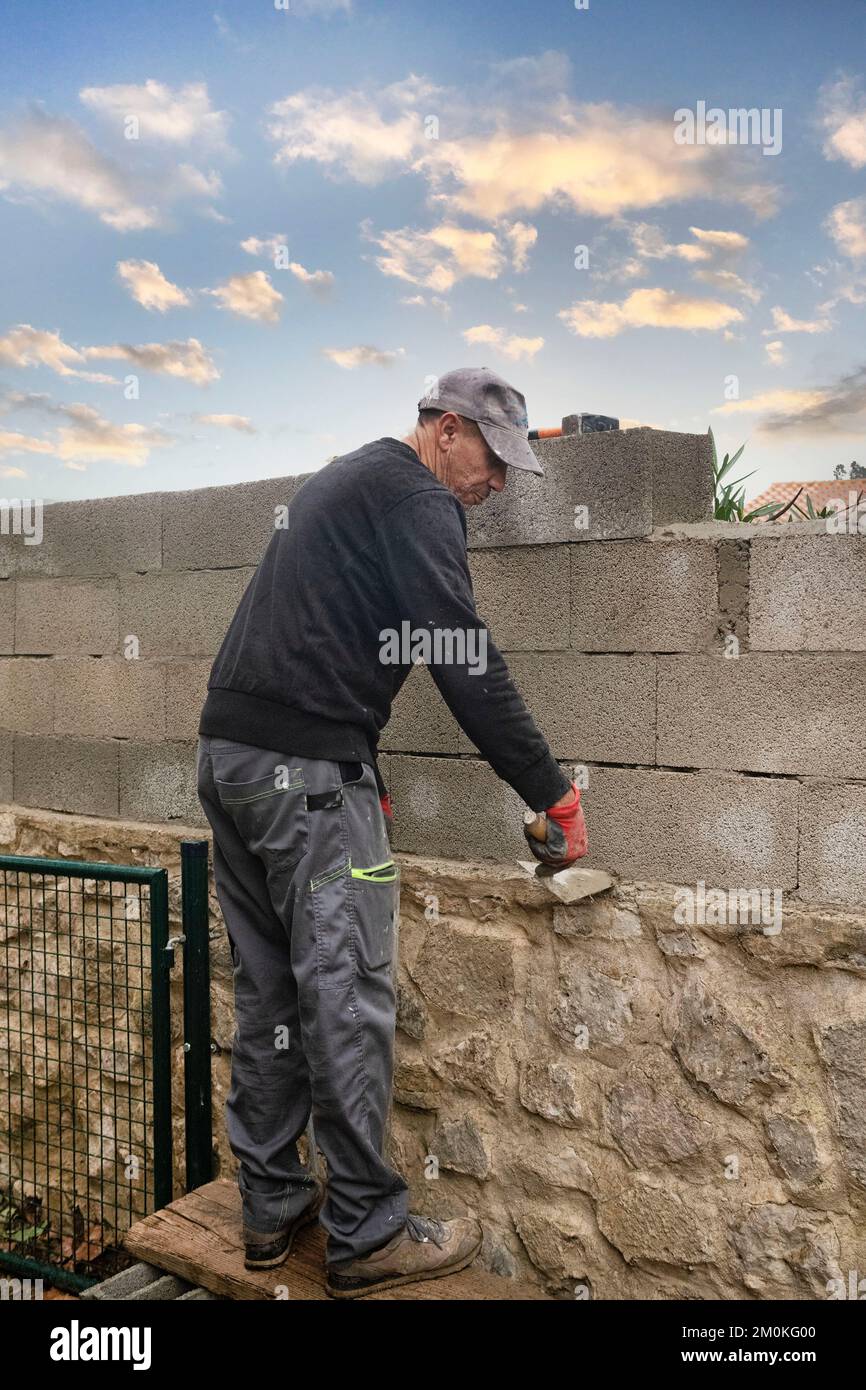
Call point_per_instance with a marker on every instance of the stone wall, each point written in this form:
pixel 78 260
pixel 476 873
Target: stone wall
pixel 636 1108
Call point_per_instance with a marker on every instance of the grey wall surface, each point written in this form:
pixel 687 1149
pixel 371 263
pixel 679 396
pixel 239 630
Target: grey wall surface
pixel 708 679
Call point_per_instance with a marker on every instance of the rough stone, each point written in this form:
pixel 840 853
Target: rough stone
pixel 717 1053
pixel 459 1145
pixel 843 1047
pixel 651 1128
pixel 590 1009
pixel 551 1089
pixel 476 1064
pixel 464 974
pixel 794 1146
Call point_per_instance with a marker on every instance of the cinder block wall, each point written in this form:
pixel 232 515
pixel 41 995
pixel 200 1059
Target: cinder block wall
pixel 614 598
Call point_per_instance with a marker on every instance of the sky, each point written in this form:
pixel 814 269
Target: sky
pixel 240 239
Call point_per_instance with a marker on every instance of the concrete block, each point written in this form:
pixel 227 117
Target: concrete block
pixel 421 722
pixel 807 593
pixel 7 754
pixel 455 807
pixel 609 473
pixel 183 614
pixel 109 697
pixel 185 691
pixel 384 763
pixel 101 536
pixel 643 596
pixel 522 595
pixel 60 617
pixel 589 708
pixel 158 783
pixel 729 830
pixel 7 615
pixel 792 713
pixel 27 695
pixel 726 829
pixel 833 841
pixel 67 774
pixel 216 527
pixel 682 474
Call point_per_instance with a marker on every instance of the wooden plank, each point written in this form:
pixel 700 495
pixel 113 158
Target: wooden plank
pixel 200 1238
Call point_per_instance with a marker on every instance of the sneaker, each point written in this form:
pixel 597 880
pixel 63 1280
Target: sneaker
pixel 263 1250
pixel 423 1249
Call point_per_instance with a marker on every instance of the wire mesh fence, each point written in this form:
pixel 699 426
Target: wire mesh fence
pixel 85 1090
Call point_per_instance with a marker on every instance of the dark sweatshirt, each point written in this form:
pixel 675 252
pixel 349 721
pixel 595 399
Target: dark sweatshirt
pixel 374 553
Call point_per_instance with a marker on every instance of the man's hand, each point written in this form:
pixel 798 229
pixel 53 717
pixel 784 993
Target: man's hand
pixel 385 803
pixel 567 838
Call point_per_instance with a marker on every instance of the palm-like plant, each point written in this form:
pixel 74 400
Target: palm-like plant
pixel 730 504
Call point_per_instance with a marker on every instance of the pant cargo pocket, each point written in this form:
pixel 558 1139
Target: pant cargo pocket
pixel 375 895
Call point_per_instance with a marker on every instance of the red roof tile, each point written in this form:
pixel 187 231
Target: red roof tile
pixel 824 493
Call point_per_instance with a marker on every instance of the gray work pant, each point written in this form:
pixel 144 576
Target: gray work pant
pixel 309 893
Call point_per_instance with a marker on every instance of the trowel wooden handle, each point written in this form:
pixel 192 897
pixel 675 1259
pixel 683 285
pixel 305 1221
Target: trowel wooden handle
pixel 536 824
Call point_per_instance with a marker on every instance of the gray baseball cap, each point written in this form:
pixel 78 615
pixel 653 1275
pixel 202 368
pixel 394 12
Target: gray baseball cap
pixel 499 411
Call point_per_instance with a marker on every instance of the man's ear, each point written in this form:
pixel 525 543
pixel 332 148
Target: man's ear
pixel 449 424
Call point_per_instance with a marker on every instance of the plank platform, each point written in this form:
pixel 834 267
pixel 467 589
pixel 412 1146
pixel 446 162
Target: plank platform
pixel 199 1238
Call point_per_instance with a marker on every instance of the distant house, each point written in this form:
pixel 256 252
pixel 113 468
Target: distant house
pixel 823 494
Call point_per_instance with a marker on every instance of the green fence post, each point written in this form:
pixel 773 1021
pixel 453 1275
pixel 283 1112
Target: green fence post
pixel 161 961
pixel 196 1012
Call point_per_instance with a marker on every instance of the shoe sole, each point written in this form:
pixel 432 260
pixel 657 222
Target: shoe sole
pixel 305 1219
pixel 393 1281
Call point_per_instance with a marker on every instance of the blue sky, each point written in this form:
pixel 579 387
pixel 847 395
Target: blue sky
pixel 321 208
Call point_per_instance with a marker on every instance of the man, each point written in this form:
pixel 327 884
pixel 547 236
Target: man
pixel 297 698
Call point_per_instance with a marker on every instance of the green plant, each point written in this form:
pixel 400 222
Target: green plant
pixel 729 504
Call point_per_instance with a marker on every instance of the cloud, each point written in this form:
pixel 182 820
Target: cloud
pixel 728 280
pixel 229 422
pixel 439 258
pixel 44 154
pixel 504 159
pixel 838 409
pixel 784 323
pixel 149 287
pixel 177 117
pixel 13 443
pixel 649 244
pixel 365 136
pixel 507 343
pixel 188 360
pixel 362 356
pixel 435 302
pixel 10 472
pixel 722 241
pixel 85 436
pixel 26 346
pixel 273 246
pixel 846 224
pixel 89 438
pixel 319 281
pixel 842 114
pixel 649 308
pixel 304 9
pixel 777 354
pixel 250 296
pixel 522 237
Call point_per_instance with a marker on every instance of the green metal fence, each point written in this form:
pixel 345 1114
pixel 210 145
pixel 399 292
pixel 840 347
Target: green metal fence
pixel 85 1060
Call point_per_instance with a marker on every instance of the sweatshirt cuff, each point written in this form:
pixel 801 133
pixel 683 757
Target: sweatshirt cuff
pixel 542 784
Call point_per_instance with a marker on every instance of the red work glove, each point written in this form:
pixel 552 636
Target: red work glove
pixel 385 803
pixel 567 837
